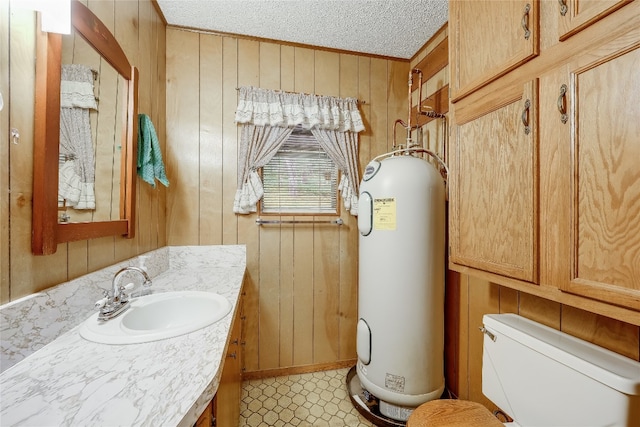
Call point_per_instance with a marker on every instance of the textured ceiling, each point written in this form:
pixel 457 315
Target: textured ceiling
pixel 394 28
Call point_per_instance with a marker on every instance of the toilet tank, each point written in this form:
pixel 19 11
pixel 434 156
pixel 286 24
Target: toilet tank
pixel 543 377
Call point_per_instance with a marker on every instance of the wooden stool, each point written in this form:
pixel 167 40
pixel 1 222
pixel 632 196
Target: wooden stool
pixel 452 413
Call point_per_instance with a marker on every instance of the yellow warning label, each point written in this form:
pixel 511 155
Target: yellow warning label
pixel 384 214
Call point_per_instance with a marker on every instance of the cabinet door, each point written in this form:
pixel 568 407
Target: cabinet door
pixel 575 15
pixel 488 39
pixel 494 198
pixel 595 162
pixel 227 401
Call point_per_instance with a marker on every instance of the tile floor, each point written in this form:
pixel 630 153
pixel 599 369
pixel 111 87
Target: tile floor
pixel 317 399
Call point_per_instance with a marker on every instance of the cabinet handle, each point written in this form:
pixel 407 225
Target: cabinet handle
pixel 525 117
pixel 525 22
pixel 232 355
pixel 562 104
pixel 563 7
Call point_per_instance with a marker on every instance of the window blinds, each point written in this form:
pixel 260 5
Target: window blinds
pixel 300 178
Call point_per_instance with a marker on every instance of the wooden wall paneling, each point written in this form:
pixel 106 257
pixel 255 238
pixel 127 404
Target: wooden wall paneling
pixel 230 139
pixel 348 259
pixel 77 257
pixel 248 230
pixel 452 310
pixel 303 263
pixel 612 334
pixel 4 154
pixel 286 294
pixel 211 147
pixel 326 241
pixel 127 26
pixel 540 310
pixel 157 108
pixel 145 192
pixel 270 66
pixel 462 389
pixel 160 99
pixel 287 68
pixel 303 291
pixel 381 121
pixel 364 94
pixel 509 300
pixel 270 240
pixel 287 247
pixel 326 295
pixel 24 268
pixel 397 101
pixel 484 298
pixel 269 298
pixel 183 136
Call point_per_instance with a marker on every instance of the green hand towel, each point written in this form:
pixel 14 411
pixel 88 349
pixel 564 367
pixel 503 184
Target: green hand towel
pixel 150 165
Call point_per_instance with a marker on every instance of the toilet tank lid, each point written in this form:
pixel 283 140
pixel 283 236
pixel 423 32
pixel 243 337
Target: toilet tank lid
pixel 610 368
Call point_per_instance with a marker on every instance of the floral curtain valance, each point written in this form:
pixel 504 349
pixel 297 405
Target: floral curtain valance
pixel 263 107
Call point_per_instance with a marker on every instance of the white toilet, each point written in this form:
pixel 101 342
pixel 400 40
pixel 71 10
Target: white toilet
pixel 543 377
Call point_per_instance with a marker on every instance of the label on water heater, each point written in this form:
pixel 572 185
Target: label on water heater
pixel 394 382
pixel 384 214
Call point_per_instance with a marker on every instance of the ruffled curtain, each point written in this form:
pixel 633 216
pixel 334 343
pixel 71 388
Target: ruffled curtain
pixel 258 145
pixel 267 118
pixel 342 148
pixel 77 165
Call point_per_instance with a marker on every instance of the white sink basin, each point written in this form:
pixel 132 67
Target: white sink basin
pixel 157 317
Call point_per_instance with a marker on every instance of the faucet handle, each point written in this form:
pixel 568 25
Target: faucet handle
pixel 128 286
pixel 101 302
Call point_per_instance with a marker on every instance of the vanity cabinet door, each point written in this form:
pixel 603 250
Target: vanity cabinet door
pixel 227 400
pixel 488 39
pixel 575 15
pixel 493 204
pixel 590 174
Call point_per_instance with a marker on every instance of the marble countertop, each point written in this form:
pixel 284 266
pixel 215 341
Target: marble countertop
pixel 71 381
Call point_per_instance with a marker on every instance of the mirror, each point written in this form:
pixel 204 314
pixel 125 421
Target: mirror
pixel 113 136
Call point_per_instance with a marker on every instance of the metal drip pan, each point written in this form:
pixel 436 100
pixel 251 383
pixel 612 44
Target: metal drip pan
pixel 366 403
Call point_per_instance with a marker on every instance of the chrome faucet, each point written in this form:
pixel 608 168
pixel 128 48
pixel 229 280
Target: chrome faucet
pixel 116 302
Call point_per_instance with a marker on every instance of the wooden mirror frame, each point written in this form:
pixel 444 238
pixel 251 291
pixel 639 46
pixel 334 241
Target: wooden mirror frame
pixel 47 232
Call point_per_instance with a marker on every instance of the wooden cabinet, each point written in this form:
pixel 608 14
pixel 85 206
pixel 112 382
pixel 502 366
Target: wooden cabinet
pixel 206 419
pixel 226 404
pixel 489 39
pixel 574 15
pixel 559 208
pixel 494 156
pixel 590 173
pixel 224 409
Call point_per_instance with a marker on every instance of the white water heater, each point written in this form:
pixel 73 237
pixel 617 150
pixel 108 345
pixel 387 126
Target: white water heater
pixel 400 331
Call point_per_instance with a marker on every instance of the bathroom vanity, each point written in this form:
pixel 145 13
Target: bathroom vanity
pixel 56 377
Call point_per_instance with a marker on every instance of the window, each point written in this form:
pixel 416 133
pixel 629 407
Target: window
pixel 300 178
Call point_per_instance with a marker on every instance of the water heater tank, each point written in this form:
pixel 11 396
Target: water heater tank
pixel 400 331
